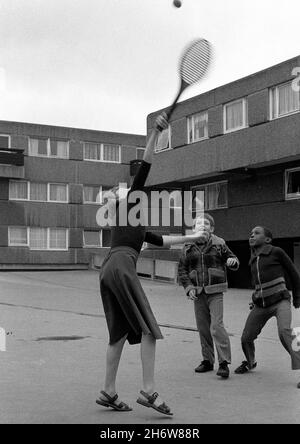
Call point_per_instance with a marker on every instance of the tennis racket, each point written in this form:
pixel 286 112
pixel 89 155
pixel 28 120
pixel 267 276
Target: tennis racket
pixel 194 63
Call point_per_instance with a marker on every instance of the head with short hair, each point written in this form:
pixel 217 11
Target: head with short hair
pixel 204 221
pixel 260 236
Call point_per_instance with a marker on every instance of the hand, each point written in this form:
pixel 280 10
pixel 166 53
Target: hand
pixel 161 123
pixel 192 295
pixel 232 262
pixel 202 235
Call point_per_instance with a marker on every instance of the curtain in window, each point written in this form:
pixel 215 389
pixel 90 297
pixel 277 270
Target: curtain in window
pixel 58 238
pixel 162 140
pixel 234 115
pixel 288 99
pixel 111 153
pixel 38 238
pixel 200 126
pixel 92 151
pixel 59 148
pixel 38 147
pixel 18 190
pixel 58 192
pixel 92 239
pixel 92 194
pixel 38 191
pixel 17 236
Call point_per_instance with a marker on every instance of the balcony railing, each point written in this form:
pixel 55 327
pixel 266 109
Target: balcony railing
pixel 11 156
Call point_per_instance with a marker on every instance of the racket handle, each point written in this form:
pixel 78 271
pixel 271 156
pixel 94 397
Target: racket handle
pixel 173 106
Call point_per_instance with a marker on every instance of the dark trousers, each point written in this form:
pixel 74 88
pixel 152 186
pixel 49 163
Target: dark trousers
pixel 258 318
pixel 209 319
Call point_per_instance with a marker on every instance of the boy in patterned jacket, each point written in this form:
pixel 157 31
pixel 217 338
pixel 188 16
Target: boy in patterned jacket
pixel 202 273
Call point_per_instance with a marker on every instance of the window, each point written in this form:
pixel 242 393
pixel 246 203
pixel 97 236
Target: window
pixel 140 153
pixel 163 141
pixel 215 195
pixel 284 100
pixel 4 141
pixel 43 147
pixel 92 195
pixel 235 115
pixel 102 152
pixel 58 192
pixel 197 127
pixel 58 239
pixel 292 184
pixel 38 238
pixel 18 190
pixel 17 237
pixel 38 192
pixel 59 149
pixel 111 153
pixel 92 239
pixel 48 238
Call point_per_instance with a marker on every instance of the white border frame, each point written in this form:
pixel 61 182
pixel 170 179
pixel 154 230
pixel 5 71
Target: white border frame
pixel 101 153
pixel 286 195
pixel 170 144
pixel 87 202
pixel 9 140
pixel 191 118
pixel 9 237
pixel 48 156
pixel 277 102
pixel 100 232
pixel 205 185
pixel 245 115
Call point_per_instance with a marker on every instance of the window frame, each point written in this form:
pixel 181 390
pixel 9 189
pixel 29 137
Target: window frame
pixel 9 140
pixel 286 184
pixel 191 117
pixel 18 198
pixel 48 155
pixel 48 239
pixel 271 100
pixel 57 201
pixel 205 186
pixel 156 151
pixel 16 244
pixel 87 202
pixel 100 232
pixel 101 152
pixel 245 115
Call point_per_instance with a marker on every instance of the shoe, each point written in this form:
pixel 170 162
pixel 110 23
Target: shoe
pixel 245 367
pixel 204 367
pixel 298 385
pixel 223 370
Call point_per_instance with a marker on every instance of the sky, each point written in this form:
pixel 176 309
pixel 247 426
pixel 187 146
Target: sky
pixel 107 64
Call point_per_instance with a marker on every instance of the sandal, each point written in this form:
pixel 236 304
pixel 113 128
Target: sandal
pixel 111 402
pixel 150 402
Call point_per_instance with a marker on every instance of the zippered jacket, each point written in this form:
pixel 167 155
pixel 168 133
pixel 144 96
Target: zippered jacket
pixel 269 270
pixel 203 266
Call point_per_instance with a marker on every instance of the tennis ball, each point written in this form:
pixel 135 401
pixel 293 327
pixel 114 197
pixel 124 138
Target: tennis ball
pixel 177 3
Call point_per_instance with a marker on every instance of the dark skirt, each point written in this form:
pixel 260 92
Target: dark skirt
pixel 126 307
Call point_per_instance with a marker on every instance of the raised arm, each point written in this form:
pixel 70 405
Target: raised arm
pixel 143 171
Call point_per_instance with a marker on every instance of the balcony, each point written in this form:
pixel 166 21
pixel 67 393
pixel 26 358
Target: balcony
pixel 10 156
pixel 12 163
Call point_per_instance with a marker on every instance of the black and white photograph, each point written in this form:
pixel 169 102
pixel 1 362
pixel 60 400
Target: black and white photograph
pixel 149 215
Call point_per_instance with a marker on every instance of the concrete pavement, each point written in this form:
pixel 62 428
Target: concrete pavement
pixel 54 364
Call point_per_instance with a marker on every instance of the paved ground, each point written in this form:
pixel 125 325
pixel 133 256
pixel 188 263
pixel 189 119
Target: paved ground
pixel 47 380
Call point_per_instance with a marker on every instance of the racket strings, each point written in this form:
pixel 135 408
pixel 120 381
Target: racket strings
pixel 195 62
